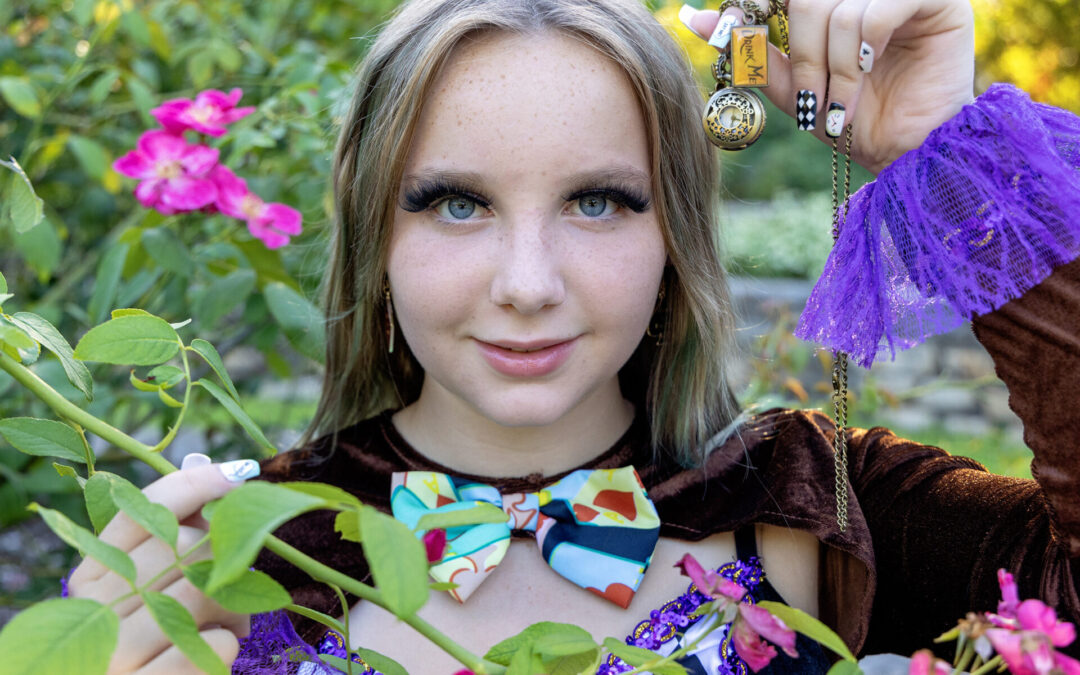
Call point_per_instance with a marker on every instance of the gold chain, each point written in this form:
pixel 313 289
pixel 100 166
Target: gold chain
pixel 840 360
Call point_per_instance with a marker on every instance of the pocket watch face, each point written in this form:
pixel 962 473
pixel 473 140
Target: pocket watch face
pixel 734 118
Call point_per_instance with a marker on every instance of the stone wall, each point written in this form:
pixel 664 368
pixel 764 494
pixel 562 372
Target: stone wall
pixel 948 382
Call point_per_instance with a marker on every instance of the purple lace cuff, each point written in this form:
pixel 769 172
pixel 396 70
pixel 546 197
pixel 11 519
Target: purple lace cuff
pixel 979 213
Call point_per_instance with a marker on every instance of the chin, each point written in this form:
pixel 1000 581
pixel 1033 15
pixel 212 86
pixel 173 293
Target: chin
pixel 518 409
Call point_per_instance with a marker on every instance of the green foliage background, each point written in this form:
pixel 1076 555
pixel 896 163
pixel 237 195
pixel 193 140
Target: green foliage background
pixel 77 81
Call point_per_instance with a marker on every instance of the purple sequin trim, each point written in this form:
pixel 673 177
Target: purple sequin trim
pixel 674 618
pixel 982 211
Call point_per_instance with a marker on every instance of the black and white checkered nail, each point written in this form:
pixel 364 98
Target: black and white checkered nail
pixel 806 110
pixel 834 120
pixel 866 58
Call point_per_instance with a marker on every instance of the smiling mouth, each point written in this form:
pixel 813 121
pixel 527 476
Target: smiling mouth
pixel 526 359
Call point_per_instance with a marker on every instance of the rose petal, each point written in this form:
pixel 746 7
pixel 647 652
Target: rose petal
pixel 690 567
pixel 269 238
pixel 148 192
pixel 1010 598
pixel 750 648
pixel 435 544
pixel 135 165
pixel 170 114
pixel 769 627
pixel 282 218
pixel 1067 664
pixel 188 194
pixel 198 160
pixel 161 146
pixel 1007 645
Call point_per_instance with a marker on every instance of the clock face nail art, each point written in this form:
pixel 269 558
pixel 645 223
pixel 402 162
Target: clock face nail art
pixel 806 110
pixel 866 58
pixel 834 120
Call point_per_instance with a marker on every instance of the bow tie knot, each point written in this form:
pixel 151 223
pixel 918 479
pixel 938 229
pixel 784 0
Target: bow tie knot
pixel 596 528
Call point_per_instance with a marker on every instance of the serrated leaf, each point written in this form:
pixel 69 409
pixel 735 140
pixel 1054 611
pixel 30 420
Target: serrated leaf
pixel 166 376
pixel 68 472
pixel 17 344
pixel 51 339
pixel 380 663
pixel 21 96
pixel 176 622
pixel 253 592
pixel 106 282
pixel 130 341
pixel 504 651
pixel 397 561
pixel 22 207
pixel 801 622
pixel 86 542
pixel 62 635
pixel 43 438
pixel 213 359
pixel 243 518
pixel 347 524
pixel 237 413
pixel 156 519
pixel 473 515
pixel 99 501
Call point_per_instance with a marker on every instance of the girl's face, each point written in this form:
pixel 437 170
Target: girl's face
pixel 526 256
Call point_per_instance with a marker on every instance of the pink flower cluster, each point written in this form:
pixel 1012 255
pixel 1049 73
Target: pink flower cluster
pixel 177 177
pixel 752 623
pixel 1024 634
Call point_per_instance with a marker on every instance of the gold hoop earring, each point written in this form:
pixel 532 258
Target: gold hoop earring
pixel 389 319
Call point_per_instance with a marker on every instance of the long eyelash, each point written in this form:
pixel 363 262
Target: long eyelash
pixel 624 195
pixel 425 193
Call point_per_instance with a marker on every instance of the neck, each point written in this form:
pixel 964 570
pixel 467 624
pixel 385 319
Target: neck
pixel 452 433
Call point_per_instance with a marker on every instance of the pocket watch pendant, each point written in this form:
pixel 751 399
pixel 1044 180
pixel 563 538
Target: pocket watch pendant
pixel 734 116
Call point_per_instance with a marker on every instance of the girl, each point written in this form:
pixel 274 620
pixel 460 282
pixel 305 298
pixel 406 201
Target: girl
pixel 524 282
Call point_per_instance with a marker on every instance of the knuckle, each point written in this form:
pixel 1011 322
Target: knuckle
pixel 842 80
pixel 845 19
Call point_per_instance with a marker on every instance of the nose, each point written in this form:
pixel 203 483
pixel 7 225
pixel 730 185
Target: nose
pixel 528 274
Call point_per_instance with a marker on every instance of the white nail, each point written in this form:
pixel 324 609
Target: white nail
pixel 686 15
pixel 866 58
pixel 834 120
pixel 239 470
pixel 721 35
pixel 194 459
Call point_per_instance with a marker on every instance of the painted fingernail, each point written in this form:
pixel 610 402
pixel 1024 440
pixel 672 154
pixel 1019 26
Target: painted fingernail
pixel 866 58
pixel 239 470
pixel 194 459
pixel 686 15
pixel 834 120
pixel 806 110
pixel 721 35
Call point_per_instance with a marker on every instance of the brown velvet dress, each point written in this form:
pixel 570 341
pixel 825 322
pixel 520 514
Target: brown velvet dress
pixel 927 533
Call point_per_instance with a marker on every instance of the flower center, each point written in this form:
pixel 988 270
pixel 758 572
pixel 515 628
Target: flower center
pixel 170 169
pixel 252 206
pixel 201 113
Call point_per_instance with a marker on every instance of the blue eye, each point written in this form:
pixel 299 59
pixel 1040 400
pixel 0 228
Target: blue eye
pixel 456 208
pixel 596 205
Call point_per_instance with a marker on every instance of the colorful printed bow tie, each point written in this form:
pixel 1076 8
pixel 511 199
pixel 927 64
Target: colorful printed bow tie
pixel 596 528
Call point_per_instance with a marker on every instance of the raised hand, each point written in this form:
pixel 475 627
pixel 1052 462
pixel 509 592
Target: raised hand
pixel 917 72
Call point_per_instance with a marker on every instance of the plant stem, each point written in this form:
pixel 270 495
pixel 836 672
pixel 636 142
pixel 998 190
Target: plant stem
pixel 164 443
pixel 69 411
pixel 328 575
pixel 988 666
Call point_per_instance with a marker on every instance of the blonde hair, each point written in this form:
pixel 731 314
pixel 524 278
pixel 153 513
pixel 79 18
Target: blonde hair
pixel 680 383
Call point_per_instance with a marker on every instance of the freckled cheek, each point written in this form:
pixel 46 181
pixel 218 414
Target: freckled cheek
pixel 619 282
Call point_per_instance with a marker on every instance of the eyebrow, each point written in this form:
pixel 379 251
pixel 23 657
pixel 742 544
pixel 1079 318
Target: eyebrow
pixel 620 173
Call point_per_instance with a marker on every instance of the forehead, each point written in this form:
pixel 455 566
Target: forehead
pixel 534 100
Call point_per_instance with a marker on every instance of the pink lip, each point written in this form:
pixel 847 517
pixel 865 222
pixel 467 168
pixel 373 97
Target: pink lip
pixel 545 356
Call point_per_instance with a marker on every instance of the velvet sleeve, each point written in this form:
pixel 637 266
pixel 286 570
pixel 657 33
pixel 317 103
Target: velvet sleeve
pixel 942 526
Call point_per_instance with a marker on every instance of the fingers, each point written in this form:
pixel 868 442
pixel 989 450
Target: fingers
pixel 183 493
pixel 808 22
pixel 845 77
pixel 172 661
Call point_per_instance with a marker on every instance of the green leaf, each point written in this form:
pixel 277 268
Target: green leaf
pixel 241 521
pixel 324 619
pixel 525 662
pixel 129 341
pixel 253 593
pixel 128 311
pixel 176 622
pixel 213 359
pixel 21 96
pixel 442 586
pixel 62 635
pixel 481 513
pixel 800 621
pixel 156 519
pixel 68 472
pixel 166 377
pixel 142 96
pixel 3 283
pixel 339 663
pixel 223 294
pixel 140 384
pixel 168 400
pixel 331 494
pixel 107 282
pixel 845 667
pixel 86 542
pixel 237 412
pixel 92 156
pixel 44 438
pixel 636 656
pixel 40 246
pixel 504 651
pixel 51 339
pixel 168 251
pixel 301 321
pixel 347 523
pixel 397 561
pixel 99 501
pixel 22 207
pixel 18 344
pixel 380 663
